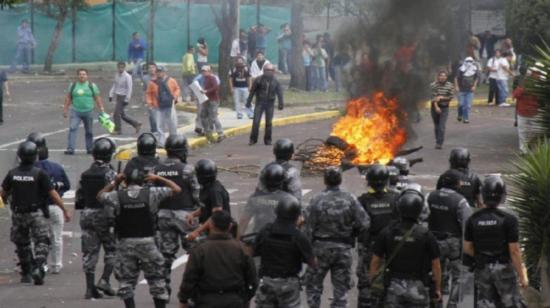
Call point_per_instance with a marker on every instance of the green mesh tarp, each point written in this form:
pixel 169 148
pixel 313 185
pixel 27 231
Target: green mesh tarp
pixel 94 31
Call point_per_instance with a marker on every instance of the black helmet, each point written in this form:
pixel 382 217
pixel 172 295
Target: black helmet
pixel 135 176
pixel 176 145
pixel 206 171
pixel 40 142
pixel 288 208
pixel 493 191
pixel 103 149
pixel 146 144
pixel 377 177
pixel 402 165
pixel 410 204
pixel 27 152
pixel 283 149
pixel 393 174
pixel 273 176
pixel 459 158
pixel 333 176
pixel 450 179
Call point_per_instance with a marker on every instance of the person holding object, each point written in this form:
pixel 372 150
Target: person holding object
pixel 442 94
pixel 81 97
pixel 122 88
pixel 265 88
pixel 209 109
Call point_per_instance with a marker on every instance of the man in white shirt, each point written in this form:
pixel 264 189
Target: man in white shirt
pixel 492 66
pixel 122 90
pixel 257 66
pixel 503 72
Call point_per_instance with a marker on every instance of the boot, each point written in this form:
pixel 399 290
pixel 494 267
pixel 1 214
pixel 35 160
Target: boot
pixel 159 303
pixel 38 275
pixel 91 290
pixel 26 276
pixel 103 284
pixel 129 303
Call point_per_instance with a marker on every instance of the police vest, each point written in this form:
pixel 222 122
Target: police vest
pixel 91 182
pixel 412 260
pixel 184 199
pixel 279 253
pixel 26 194
pixel 467 188
pixel 143 163
pixel 443 220
pixel 134 219
pixel 380 209
pixel 489 234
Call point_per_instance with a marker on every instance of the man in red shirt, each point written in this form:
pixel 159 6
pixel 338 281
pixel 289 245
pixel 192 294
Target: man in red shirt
pixel 209 110
pixel 527 110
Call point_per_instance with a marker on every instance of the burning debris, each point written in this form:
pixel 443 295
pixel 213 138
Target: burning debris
pixel 372 131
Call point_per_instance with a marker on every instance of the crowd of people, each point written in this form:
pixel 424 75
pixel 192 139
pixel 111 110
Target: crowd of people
pixel 409 243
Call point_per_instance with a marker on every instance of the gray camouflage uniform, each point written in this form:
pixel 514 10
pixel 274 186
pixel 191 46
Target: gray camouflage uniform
pixel 135 254
pixel 497 280
pixel 27 226
pixel 291 184
pixel 97 230
pixel 332 221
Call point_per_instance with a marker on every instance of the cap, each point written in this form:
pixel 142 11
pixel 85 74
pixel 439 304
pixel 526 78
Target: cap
pixel 469 59
pixel 161 68
pixel 205 68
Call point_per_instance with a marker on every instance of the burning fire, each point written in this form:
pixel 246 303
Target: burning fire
pixel 371 128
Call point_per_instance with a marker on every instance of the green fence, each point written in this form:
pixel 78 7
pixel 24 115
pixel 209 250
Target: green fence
pixel 94 30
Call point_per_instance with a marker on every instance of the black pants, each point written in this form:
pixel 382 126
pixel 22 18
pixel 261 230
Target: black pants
pixel 261 107
pixel 120 114
pixel 213 300
pixel 440 121
pixel 493 91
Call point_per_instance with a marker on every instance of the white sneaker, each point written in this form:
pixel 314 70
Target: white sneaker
pixel 504 105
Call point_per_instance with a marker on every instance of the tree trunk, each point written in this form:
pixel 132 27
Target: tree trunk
pixel 297 69
pixel 60 21
pixel 227 24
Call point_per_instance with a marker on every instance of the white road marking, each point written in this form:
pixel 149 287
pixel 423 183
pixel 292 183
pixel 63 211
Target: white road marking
pixel 179 261
pixel 232 190
pixel 72 234
pixel 5 145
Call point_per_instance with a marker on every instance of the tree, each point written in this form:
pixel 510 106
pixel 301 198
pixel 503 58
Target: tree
pixel 528 23
pixel 7 3
pixel 58 10
pixel 297 69
pixel 226 18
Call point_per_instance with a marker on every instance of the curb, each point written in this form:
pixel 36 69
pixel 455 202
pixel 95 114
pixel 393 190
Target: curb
pixel 126 152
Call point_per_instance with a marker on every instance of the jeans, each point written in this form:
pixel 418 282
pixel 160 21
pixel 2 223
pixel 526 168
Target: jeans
pixel 440 121
pixel 136 70
pixel 239 97
pixel 22 56
pixel 74 122
pixel 120 114
pixel 56 221
pixel 493 91
pixel 209 117
pixel 526 132
pixel 309 77
pixel 502 86
pixel 337 77
pixel 153 120
pixel 198 121
pixel 269 109
pixel 320 78
pixel 465 104
pixel 284 54
pixel 167 119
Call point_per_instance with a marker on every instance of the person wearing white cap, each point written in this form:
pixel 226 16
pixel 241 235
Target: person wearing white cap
pixel 465 84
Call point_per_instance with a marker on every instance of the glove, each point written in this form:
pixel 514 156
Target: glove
pixel 110 99
pixel 248 105
pixel 281 107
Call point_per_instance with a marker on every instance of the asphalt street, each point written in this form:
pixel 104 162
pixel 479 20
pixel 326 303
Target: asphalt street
pixel 490 137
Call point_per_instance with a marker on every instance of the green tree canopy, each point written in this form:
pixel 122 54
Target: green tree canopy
pixel 528 23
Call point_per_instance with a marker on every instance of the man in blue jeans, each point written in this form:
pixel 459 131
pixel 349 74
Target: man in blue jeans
pixel 465 84
pixel 25 45
pixel 82 95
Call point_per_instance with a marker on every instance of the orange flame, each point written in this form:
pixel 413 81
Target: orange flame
pixel 373 128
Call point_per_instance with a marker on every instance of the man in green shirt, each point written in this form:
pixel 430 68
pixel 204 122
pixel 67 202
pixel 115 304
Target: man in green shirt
pixel 189 72
pixel 82 95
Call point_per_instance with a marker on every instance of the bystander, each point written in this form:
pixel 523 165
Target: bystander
pixel 202 53
pixel 4 89
pixel 285 44
pixel 465 84
pixel 136 53
pixel 162 94
pixel 442 94
pixel 239 84
pixel 122 91
pixel 188 73
pixel 25 44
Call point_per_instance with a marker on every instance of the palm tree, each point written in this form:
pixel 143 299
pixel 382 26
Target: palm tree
pixel 538 83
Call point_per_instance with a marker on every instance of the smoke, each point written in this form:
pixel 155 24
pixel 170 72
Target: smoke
pixel 400 46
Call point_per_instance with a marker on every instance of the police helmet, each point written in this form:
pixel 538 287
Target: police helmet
pixel 27 152
pixel 402 165
pixel 135 176
pixel 288 208
pixel 410 204
pixel 103 149
pixel 146 144
pixel 450 179
pixel 176 145
pixel 333 176
pixel 493 191
pixel 283 149
pixel 393 173
pixel 40 142
pixel 377 177
pixel 273 176
pixel 206 171
pixel 459 158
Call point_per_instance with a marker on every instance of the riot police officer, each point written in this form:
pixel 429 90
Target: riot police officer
pixel 449 211
pixel 172 223
pixel 61 184
pixel 97 228
pixel 28 187
pixel 492 238
pixel 409 252
pixel 282 249
pixel 470 186
pixel 403 165
pixel 333 220
pixel 146 160
pixel 261 204
pixel 134 210
pixel 379 203
pixel 283 151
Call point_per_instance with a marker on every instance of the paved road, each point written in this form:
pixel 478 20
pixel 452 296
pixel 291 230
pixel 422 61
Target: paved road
pixel 490 137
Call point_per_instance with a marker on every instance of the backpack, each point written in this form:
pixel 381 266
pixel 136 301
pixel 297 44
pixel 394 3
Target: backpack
pixel 90 85
pixel 165 97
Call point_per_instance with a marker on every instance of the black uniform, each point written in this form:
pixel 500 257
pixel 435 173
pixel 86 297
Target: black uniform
pixel 266 89
pixel 470 186
pixel 213 195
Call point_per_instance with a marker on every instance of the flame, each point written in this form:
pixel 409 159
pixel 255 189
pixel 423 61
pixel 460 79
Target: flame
pixel 372 128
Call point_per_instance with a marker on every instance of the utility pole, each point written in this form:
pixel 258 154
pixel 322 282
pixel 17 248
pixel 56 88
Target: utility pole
pixel 188 21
